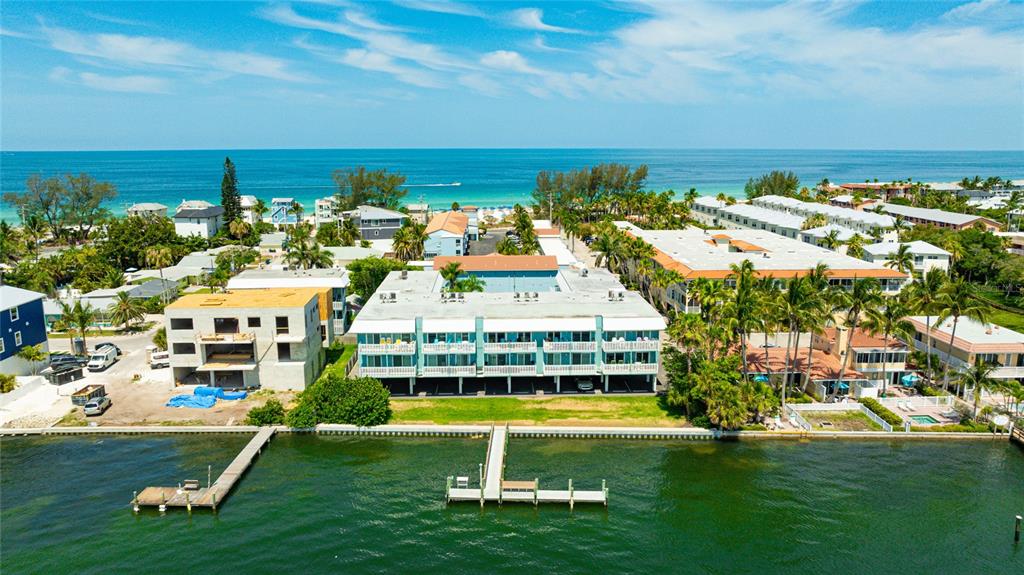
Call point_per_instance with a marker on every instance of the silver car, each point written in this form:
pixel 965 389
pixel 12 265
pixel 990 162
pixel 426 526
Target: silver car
pixel 97 406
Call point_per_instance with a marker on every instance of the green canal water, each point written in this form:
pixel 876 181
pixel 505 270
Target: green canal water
pixel 370 505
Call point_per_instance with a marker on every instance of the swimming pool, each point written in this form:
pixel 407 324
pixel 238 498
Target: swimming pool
pixel 926 419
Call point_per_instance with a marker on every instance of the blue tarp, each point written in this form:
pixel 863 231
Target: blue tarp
pixel 909 379
pixel 200 401
pixel 761 378
pixel 207 391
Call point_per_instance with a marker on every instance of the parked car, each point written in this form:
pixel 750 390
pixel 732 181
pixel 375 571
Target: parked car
pixel 585 385
pixel 159 359
pixel 510 233
pixel 102 358
pixel 97 406
pixel 59 360
pixel 108 344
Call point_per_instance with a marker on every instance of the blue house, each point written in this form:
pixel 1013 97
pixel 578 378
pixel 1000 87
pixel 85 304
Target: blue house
pixel 21 325
pixel 280 212
pixel 447 235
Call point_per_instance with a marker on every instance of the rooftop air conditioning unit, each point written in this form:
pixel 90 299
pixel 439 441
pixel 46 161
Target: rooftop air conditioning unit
pixel 611 294
pixel 584 272
pixel 405 274
pixel 535 295
pixel 517 295
pixel 622 295
pixel 383 297
pixel 462 296
pixel 393 296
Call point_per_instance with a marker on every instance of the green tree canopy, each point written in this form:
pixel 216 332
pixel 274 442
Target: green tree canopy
pixel 366 275
pixel 773 183
pixel 359 186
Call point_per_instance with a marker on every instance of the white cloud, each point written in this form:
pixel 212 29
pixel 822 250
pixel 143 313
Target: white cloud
pixel 115 19
pixel 377 62
pixel 442 7
pixel 7 32
pixel 135 83
pixel 481 83
pixel 533 19
pixel 151 51
pixel 364 21
pixel 131 83
pixel 996 12
pixel 538 43
pixel 509 61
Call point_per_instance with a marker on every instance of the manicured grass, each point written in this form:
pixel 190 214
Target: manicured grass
pixel 841 421
pixel 580 410
pixel 1007 319
pixel 337 359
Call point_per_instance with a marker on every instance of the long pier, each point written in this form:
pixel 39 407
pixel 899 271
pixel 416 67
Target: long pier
pixel 212 495
pixel 493 487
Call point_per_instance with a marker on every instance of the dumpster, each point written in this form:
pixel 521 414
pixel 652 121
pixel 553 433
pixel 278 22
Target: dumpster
pixel 82 396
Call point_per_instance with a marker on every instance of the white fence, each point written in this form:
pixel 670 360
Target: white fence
pixel 819 407
pixel 918 401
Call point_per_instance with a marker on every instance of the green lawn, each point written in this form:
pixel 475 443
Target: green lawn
pixel 1010 319
pixel 581 410
pixel 841 421
pixel 338 358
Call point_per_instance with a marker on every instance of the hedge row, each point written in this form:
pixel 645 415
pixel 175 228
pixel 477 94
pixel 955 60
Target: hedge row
pixel 882 411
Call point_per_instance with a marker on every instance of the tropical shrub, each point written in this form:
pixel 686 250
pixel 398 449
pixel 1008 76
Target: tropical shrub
pixel 7 383
pixel 882 411
pixel 270 413
pixel 333 398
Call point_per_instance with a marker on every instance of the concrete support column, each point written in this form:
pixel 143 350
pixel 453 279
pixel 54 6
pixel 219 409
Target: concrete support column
pixel 558 384
pixel 510 385
pixel 412 382
pixel 605 383
pixel 460 385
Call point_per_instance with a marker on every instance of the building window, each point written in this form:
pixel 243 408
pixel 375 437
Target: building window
pixel 14 313
pixel 281 322
pixel 253 322
pixel 284 352
pixel 17 338
pixel 183 348
pixel 1 345
pixel 181 323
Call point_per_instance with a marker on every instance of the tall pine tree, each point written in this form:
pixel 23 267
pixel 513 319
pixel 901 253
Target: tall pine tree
pixel 229 197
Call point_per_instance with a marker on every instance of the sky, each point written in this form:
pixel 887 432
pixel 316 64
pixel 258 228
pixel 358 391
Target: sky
pixel 439 74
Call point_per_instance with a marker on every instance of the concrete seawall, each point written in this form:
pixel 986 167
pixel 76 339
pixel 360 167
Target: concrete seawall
pixel 652 433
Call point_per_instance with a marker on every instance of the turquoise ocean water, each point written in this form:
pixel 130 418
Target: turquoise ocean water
pixel 487 177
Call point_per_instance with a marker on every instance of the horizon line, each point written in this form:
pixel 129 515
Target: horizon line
pixel 505 148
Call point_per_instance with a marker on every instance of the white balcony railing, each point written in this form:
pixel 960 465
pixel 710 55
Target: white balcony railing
pixel 337 305
pixel 618 368
pixel 449 370
pixel 510 370
pixel 1007 372
pixel 387 348
pixel 225 337
pixel 442 347
pixel 580 369
pixel 510 346
pixel 556 346
pixel 407 371
pixel 638 345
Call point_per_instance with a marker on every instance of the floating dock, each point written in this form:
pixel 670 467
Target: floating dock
pixel 493 487
pixel 212 495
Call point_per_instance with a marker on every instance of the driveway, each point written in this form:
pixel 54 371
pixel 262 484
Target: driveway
pixel 486 244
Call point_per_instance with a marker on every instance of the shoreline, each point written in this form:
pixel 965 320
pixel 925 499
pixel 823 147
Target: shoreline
pixel 539 431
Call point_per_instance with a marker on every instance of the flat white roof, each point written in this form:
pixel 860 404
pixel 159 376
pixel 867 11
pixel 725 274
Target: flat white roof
pixel 820 232
pixel 11 296
pixel 320 277
pixel 696 253
pixel 556 247
pixel 974 332
pixel 419 295
pixel 766 215
pixel 951 218
pixel 827 210
pixel 916 247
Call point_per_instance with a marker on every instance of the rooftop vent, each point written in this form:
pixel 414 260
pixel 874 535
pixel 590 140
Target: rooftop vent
pixel 405 274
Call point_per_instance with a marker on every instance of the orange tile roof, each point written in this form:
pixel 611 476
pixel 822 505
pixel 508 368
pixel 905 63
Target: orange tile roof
pixel 862 338
pixel 824 366
pixel 544 232
pixel 746 246
pixel 454 222
pixel 721 237
pixel 497 262
pixel 469 208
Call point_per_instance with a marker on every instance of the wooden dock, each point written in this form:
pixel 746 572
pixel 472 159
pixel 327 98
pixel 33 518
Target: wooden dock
pixel 212 495
pixel 1017 434
pixel 493 487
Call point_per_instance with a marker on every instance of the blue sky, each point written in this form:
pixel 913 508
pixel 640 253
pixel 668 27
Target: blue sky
pixel 430 73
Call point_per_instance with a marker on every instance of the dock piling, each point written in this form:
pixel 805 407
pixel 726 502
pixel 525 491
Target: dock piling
pixel 1016 529
pixel 571 501
pixel 209 476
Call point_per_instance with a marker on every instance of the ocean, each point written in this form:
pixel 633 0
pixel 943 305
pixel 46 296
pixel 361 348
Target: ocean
pixel 485 177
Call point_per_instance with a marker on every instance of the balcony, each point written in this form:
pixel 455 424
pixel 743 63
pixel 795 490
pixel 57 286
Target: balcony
pixel 1007 372
pixel 510 370
pixel 574 369
pixel 442 347
pixel 225 337
pixel 405 371
pixel 556 346
pixel 448 370
pixel 338 305
pixel 517 346
pixel 637 345
pixel 625 368
pixel 387 348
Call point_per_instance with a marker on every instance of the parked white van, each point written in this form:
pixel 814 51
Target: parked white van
pixel 102 358
pixel 159 359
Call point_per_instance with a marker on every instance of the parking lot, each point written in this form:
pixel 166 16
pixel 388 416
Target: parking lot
pixel 486 244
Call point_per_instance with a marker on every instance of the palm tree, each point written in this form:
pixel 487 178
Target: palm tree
pixel 238 229
pixel 470 283
pixel 831 240
pixel 744 305
pixel 160 257
pixel 899 225
pixel 506 247
pixel 124 310
pixel 571 226
pixel 925 295
pixel 855 246
pixel 33 354
pixel 82 317
pixel 978 378
pixel 348 233
pixel 260 208
pixel 318 257
pixel 662 280
pixel 450 272
pixel 409 240
pixel 865 295
pixel 113 278
pixel 296 209
pixel 796 307
pixel 901 260
pixel 956 250
pixel 956 300
pixel 889 321
pixel 688 331
pixel 610 249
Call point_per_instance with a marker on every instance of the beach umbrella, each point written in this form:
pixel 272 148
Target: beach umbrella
pixel 761 378
pixel 909 379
